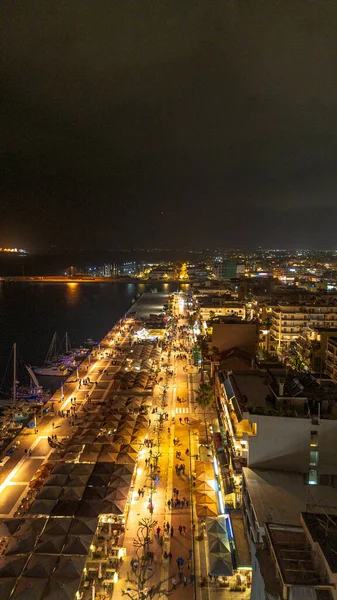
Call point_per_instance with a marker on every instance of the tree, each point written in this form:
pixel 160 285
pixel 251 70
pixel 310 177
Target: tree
pixel 204 399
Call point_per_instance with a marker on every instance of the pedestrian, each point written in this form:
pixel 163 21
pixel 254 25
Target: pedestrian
pixel 184 529
pixel 167 526
pixel 185 580
pixel 174 583
pixel 172 531
pixel 158 531
pixel 170 556
pixel 53 425
pixel 180 529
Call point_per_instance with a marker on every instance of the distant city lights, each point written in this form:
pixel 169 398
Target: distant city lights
pixel 14 250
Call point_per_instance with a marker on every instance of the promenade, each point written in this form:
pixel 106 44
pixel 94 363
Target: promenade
pixel 164 467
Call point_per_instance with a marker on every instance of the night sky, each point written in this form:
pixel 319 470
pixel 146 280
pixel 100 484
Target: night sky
pixel 169 123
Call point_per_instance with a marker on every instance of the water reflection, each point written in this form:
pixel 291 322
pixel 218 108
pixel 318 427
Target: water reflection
pixel 72 293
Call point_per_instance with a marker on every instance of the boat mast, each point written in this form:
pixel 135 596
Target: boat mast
pixel 14 372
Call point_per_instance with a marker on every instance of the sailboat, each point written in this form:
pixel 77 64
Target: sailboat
pixel 31 392
pixel 55 365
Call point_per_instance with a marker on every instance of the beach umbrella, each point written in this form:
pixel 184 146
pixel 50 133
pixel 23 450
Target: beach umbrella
pixel 220 566
pixel 107 457
pixel 83 526
pixel 127 458
pixel 99 480
pixel 208 510
pixel 57 589
pixel 205 486
pixel 50 544
pixel 30 588
pixel 205 498
pixel 94 493
pixel 112 508
pixel 57 526
pixel 82 469
pixel 9 526
pixel 65 508
pixel 217 526
pixel 20 545
pixel 119 493
pixel 72 493
pixel 6 586
pixel 78 545
pixel 59 479
pixel 49 492
pixel 77 480
pixel 103 468
pixel 62 469
pixel 40 565
pixel 31 527
pixel 12 566
pixel 42 507
pixel 89 457
pixel 89 509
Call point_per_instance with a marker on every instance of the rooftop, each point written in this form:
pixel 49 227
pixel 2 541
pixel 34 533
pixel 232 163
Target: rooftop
pixel 294 556
pixel 279 392
pixel 323 531
pixel 281 497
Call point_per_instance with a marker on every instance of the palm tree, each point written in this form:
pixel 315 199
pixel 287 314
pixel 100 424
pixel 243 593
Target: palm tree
pixel 204 399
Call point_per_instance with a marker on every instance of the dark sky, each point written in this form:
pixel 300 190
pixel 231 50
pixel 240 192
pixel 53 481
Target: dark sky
pixel 222 115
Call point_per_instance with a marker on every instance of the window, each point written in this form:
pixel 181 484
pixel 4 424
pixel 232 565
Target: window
pixel 313 458
pixel 313 477
pixel 314 439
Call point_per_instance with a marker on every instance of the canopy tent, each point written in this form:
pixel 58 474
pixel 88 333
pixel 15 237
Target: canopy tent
pixel 58 479
pixel 89 457
pixel 75 480
pixel 50 544
pixel 20 545
pixel 29 588
pixel 204 487
pixel 107 457
pixel 202 499
pixel 83 526
pixel 99 480
pixel 65 508
pixel 120 493
pixel 78 544
pixel 57 526
pixel 6 586
pixel 94 493
pixel 219 566
pixel 9 526
pixel 219 550
pixel 12 566
pixel 72 493
pixel 30 527
pixel 126 458
pixel 40 565
pixel 216 526
pixel 113 508
pixel 58 589
pixel 209 510
pixel 89 509
pixel 49 492
pixel 103 469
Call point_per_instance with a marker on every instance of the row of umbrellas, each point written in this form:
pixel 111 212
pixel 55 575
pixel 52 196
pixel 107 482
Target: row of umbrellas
pixel 219 550
pixel 206 498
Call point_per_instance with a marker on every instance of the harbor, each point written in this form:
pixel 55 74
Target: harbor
pixel 102 463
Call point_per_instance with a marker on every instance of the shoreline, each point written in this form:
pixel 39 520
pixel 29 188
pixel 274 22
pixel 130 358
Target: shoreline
pixel 62 279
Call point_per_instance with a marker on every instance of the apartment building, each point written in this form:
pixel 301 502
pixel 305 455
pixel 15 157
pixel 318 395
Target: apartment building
pixel 331 358
pixel 288 320
pixel 280 434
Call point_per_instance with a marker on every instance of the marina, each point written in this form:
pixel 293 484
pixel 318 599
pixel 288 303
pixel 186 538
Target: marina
pixel 100 462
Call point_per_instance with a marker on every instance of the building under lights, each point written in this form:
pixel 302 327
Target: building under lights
pixel 279 461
